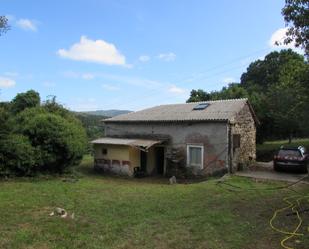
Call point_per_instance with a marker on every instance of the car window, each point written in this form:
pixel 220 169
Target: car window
pixel 289 153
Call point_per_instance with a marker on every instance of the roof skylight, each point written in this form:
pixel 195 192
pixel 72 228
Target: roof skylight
pixel 201 106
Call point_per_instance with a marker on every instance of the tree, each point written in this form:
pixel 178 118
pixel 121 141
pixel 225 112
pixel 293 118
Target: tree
pixel 60 142
pixel 263 73
pixel 296 14
pixel 36 137
pixel 232 91
pixel 4 124
pixel 17 156
pixel 285 107
pixel 278 90
pixel 4 26
pixel 198 95
pixel 25 100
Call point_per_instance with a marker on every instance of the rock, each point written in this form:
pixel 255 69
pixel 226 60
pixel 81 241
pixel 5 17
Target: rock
pixel 62 213
pixel 173 180
pixel 59 211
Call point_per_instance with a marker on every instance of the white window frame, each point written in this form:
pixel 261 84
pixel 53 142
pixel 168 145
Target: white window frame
pixel 202 155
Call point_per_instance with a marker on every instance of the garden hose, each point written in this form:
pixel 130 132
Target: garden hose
pixel 293 208
pixel 291 205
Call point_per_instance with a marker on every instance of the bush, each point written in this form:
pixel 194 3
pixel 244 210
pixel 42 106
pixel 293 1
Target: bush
pixel 60 142
pixel 36 137
pixel 17 156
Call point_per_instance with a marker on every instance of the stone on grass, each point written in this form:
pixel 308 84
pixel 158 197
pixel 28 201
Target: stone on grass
pixel 60 212
pixel 173 180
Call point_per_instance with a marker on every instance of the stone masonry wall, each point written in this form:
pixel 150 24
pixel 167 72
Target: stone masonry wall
pixel 245 127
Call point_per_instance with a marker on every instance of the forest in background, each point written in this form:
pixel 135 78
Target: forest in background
pixel 278 89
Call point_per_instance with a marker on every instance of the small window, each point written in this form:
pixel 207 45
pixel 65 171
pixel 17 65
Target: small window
pixel 104 151
pixel 201 106
pixel 195 156
pixel 236 141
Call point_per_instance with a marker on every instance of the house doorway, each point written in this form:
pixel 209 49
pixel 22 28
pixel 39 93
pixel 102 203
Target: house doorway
pixel 159 159
pixel 143 161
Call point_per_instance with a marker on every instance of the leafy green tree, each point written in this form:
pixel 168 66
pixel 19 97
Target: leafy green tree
pixel 285 107
pixel 59 142
pixel 232 91
pixel 278 89
pixel 4 124
pixel 198 95
pixel 92 124
pixel 25 100
pixel 36 137
pixel 17 156
pixel 268 83
pixel 4 26
pixel 263 73
pixel 296 15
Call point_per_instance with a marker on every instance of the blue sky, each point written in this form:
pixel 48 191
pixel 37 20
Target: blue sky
pixel 113 54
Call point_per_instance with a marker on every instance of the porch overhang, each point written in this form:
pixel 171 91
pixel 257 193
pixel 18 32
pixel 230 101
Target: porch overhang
pixel 141 144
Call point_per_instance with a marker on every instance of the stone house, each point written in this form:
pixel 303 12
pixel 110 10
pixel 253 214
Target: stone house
pixel 201 138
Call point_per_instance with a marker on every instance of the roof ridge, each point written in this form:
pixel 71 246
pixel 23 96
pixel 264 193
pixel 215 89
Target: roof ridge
pixel 206 101
pixel 218 110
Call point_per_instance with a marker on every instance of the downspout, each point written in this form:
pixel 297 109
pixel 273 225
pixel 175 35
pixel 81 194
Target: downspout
pixel 229 148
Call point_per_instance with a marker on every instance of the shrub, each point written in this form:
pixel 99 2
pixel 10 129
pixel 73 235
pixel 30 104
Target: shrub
pixel 60 142
pixel 17 156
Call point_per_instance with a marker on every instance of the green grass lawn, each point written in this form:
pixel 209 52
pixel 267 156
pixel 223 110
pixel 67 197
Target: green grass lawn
pixel 274 145
pixel 266 150
pixel 115 212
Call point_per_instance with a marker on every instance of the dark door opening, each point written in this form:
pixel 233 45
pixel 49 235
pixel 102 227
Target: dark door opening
pixel 159 155
pixel 144 161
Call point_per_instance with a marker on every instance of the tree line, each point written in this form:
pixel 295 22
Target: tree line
pixel 278 89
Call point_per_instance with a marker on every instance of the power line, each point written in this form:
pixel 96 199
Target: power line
pixel 153 92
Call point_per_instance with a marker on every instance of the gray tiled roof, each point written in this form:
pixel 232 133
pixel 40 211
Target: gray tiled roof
pixel 219 110
pixel 126 141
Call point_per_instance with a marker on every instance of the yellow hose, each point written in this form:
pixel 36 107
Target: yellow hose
pixel 294 210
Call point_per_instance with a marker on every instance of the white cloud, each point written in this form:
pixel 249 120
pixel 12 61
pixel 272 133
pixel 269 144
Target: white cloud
pixel 167 56
pixel 176 90
pixel 144 58
pixel 98 51
pixel 110 87
pixel 229 80
pixel 6 82
pixel 278 38
pixel 26 24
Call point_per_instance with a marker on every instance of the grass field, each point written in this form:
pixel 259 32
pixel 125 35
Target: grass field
pixel 114 212
pixel 266 150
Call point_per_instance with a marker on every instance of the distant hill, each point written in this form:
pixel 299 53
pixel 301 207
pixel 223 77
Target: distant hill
pixel 107 113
